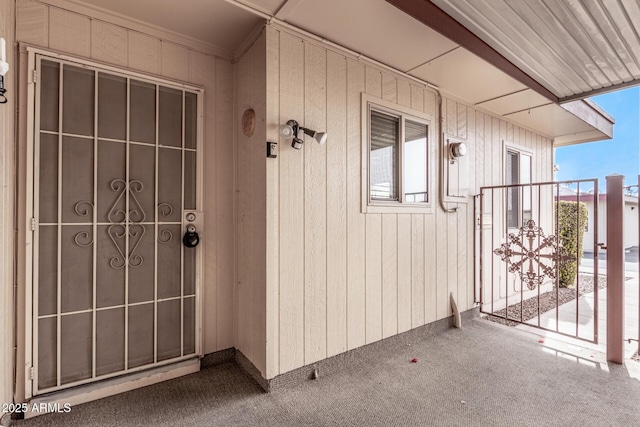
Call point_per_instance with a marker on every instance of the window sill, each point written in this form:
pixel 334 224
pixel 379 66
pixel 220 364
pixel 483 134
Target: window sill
pixel 398 209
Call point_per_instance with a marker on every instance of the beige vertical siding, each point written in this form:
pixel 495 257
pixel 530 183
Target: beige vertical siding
pixel 315 207
pixel 47 26
pixel 251 187
pixel 355 220
pixel 291 206
pixel 346 278
pixel 7 210
pixel 272 220
pixel 315 276
pixel 336 195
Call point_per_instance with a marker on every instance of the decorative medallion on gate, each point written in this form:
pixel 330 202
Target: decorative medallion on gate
pixel 520 251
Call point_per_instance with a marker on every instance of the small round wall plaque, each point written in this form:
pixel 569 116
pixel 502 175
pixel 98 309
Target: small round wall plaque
pixel 249 122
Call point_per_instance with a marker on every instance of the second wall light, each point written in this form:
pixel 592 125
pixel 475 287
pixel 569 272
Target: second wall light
pixel 291 129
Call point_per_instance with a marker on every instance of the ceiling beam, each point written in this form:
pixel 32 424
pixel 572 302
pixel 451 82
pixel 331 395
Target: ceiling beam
pixel 434 17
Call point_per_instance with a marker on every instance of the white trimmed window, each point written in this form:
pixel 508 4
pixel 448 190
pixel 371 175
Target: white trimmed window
pixel 397 152
pixel 518 165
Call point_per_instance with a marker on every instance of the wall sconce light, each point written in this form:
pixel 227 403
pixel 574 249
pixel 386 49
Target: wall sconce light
pixel 4 67
pixel 290 131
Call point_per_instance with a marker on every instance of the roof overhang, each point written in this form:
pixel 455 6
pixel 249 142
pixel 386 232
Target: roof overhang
pixel 439 45
pixel 534 105
pixel 575 49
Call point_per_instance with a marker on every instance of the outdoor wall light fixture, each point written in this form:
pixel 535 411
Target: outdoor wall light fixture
pixel 290 131
pixel 4 67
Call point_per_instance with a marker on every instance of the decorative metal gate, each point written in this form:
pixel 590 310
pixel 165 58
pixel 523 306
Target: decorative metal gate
pixel 114 160
pixel 528 255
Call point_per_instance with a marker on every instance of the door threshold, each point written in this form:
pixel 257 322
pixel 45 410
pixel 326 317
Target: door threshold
pixel 64 401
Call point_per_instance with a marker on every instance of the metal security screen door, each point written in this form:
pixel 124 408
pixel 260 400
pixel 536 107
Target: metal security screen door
pixel 114 160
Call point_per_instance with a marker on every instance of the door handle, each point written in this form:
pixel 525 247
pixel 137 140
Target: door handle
pixel 191 238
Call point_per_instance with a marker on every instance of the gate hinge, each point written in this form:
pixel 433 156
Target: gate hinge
pixel 32 372
pixel 35 76
pixel 33 224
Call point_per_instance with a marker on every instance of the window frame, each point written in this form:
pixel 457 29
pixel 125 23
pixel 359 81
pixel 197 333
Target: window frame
pixel 521 151
pixel 370 205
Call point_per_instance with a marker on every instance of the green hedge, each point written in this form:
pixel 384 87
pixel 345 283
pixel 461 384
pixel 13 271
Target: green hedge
pixel 571 235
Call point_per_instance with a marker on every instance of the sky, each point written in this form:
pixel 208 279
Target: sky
pixel 619 155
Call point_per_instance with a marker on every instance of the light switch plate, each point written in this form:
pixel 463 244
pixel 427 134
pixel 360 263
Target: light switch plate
pixel 272 149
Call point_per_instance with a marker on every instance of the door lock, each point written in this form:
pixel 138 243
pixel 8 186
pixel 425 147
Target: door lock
pixel 191 238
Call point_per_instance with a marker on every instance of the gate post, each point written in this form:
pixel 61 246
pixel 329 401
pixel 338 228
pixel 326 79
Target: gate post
pixel 615 268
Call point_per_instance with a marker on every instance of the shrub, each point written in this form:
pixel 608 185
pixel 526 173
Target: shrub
pixel 571 233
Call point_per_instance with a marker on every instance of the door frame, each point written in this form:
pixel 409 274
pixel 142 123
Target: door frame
pixel 32 191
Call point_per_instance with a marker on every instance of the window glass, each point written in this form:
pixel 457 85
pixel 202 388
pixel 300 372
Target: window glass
pixel 513 177
pixel 518 171
pixel 415 162
pixel 398 157
pixel 525 178
pixel 384 156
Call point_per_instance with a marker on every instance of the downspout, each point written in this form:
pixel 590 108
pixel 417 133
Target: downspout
pixel 441 148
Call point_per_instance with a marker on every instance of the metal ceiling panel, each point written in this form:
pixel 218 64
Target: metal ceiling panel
pixel 573 122
pixel 514 102
pixel 573 48
pixel 465 75
pixel 533 50
pixel 372 27
pixel 552 120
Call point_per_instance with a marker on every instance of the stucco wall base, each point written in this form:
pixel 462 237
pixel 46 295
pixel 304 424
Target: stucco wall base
pixel 340 362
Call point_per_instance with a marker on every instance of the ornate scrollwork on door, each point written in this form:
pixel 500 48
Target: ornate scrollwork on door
pixel 125 224
pixel 165 210
pixel 117 232
pixel 83 208
pixel 83 238
pixel 519 252
pixel 118 217
pixel 165 236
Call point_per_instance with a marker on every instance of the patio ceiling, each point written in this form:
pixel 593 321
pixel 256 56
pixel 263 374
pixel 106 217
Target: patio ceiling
pixel 573 48
pixel 381 31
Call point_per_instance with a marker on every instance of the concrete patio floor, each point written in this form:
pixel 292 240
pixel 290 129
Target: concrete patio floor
pixel 483 374
pixel 566 314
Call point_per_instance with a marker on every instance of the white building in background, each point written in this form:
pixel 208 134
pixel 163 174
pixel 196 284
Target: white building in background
pixel 630 217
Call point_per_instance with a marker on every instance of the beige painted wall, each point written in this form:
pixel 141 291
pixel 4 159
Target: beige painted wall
pixel 7 209
pixel 338 279
pixel 93 36
pixel 316 277
pixel 251 205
